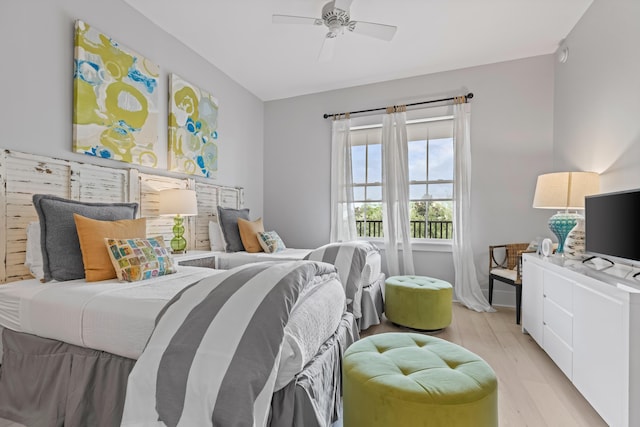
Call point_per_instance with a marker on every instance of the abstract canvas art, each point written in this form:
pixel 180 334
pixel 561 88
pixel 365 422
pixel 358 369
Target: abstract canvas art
pixel 193 134
pixel 115 109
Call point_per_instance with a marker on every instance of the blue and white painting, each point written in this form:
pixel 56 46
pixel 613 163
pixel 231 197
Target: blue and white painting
pixel 115 113
pixel 193 129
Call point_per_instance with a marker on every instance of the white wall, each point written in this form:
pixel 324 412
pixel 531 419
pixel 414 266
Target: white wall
pixel 597 96
pixel 36 85
pixel 511 133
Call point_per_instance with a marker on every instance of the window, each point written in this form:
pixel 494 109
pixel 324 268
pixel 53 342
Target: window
pixel 431 176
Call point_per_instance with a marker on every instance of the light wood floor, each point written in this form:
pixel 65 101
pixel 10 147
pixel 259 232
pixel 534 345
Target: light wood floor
pixel 532 391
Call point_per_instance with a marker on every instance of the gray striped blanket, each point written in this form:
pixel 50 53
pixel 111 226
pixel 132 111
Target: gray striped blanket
pixel 213 357
pixel 350 259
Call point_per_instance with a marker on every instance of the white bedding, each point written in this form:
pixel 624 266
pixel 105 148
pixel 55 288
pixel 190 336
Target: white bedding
pixel 228 260
pixel 109 315
pixel 119 317
pixel 225 260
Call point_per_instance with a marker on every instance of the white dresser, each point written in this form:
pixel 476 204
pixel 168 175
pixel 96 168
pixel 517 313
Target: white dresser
pixel 589 324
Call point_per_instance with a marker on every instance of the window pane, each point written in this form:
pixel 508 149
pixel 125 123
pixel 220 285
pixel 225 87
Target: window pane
pixel 373 227
pixel 358 193
pixel 374 192
pixel 418 210
pixel 441 191
pixel 358 163
pixel 358 209
pixel 440 224
pixel 418 160
pixel 418 223
pixel 374 211
pixel 418 191
pixel 375 163
pixel 441 159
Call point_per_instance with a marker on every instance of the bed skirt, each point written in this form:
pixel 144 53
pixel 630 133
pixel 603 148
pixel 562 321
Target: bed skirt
pixel 372 305
pixel 47 383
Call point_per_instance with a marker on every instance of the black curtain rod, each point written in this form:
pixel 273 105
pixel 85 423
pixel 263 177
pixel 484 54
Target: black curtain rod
pixel 466 98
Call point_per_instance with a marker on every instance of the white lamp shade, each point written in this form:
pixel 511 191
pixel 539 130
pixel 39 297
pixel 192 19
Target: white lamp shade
pixel 177 202
pixel 565 190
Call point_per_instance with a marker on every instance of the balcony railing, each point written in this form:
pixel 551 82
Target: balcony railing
pixel 419 229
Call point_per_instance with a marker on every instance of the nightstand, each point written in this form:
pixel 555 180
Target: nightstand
pixel 205 259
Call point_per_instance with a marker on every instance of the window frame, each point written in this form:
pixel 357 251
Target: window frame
pixel 419 243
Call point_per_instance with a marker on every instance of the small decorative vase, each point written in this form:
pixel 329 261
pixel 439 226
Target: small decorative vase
pixel 574 244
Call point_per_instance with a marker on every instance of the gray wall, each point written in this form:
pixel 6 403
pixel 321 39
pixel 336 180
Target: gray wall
pixel 36 85
pixel 511 136
pixel 597 96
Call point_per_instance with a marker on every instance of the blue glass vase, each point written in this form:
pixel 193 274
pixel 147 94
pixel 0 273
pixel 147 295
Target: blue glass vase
pixel 561 224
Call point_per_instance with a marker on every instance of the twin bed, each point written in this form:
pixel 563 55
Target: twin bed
pixel 69 348
pixel 359 265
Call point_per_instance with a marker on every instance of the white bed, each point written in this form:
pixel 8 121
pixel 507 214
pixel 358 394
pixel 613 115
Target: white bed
pixel 119 317
pixel 94 332
pixel 371 280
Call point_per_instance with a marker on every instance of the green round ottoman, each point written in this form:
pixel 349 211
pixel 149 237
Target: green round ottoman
pixel 418 302
pixel 409 379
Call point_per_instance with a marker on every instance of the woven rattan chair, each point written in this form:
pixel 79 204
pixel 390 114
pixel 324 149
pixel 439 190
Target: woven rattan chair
pixel 508 269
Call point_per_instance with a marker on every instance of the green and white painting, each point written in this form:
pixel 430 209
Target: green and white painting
pixel 115 91
pixel 193 129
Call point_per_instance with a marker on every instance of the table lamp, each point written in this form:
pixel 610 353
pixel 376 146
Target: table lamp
pixel 181 203
pixel 564 191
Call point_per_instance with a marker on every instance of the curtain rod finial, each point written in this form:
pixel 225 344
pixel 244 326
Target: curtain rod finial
pixel 470 95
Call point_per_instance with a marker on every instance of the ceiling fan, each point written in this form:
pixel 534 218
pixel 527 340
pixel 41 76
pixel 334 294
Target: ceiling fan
pixel 336 17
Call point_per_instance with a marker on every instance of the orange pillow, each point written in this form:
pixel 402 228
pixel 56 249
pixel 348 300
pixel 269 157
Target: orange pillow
pixel 91 234
pixel 249 234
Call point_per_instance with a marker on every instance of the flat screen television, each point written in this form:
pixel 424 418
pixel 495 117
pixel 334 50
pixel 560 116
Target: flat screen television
pixel 612 226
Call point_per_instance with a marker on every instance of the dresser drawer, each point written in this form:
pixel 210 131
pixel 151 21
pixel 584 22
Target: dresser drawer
pixel 558 320
pixel 559 289
pixel 559 351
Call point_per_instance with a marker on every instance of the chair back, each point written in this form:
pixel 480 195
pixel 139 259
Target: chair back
pixel 511 255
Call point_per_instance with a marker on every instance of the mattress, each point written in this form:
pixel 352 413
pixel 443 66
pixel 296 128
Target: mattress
pixel 111 316
pixel 228 260
pixel 119 317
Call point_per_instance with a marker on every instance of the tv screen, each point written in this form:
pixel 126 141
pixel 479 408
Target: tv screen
pixel 612 225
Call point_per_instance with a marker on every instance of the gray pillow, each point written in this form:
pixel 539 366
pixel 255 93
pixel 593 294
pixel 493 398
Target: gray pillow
pixel 61 255
pixel 228 220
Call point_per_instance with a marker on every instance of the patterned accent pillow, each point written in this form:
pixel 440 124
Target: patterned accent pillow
pixel 271 242
pixel 139 259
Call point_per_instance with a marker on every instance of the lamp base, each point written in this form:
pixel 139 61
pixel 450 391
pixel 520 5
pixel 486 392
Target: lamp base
pixel 178 243
pixel 561 224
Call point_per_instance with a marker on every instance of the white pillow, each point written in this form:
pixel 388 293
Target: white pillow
pixel 216 239
pixel 33 259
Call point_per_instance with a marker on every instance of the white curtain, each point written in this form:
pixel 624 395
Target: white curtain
pixel 395 194
pixel 343 220
pixel 467 288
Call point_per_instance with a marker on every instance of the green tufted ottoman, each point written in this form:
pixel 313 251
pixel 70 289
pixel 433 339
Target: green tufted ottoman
pixel 410 379
pixel 418 302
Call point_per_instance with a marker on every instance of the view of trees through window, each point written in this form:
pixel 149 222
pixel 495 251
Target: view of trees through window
pixel 430 174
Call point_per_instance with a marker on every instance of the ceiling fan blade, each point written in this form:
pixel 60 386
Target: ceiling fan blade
pixel 379 31
pixel 289 19
pixel 326 52
pixel 343 4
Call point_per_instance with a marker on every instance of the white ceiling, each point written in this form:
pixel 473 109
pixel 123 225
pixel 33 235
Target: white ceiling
pixel 280 61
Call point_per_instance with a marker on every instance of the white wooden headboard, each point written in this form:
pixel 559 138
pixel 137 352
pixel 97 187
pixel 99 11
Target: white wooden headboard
pixel 23 175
